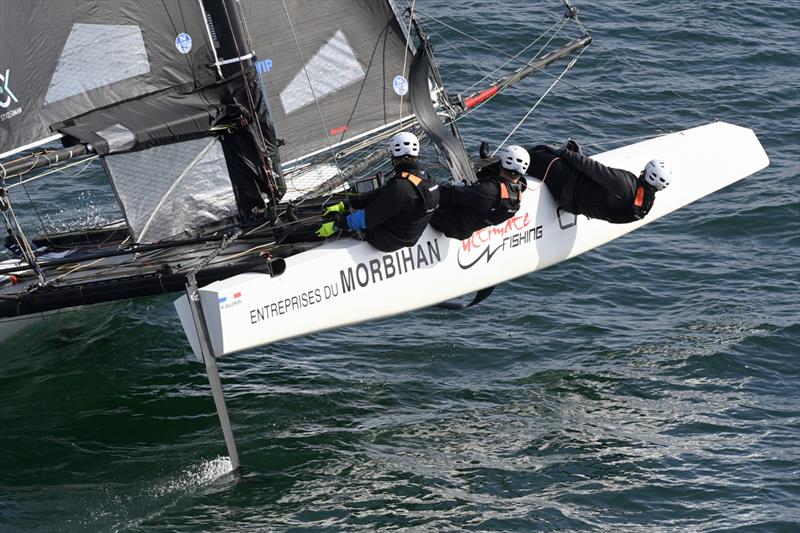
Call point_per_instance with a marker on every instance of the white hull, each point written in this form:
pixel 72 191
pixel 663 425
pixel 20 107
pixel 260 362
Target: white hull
pixel 347 282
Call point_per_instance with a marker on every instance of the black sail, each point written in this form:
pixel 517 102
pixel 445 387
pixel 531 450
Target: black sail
pixel 352 51
pixel 59 60
pixel 441 137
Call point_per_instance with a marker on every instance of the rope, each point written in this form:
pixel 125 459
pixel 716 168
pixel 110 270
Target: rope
pixel 466 34
pixel 227 241
pixel 22 242
pixel 54 170
pixel 560 23
pixel 36 211
pixel 569 66
pixel 462 54
pixel 546 173
pixel 311 86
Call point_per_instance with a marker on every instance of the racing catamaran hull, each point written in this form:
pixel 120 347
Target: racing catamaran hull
pixel 347 281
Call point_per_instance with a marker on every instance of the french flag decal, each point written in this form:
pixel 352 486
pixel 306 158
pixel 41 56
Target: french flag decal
pixel 225 298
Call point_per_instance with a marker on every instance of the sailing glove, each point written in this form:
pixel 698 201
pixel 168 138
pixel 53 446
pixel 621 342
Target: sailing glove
pixel 338 225
pixel 326 230
pixel 334 209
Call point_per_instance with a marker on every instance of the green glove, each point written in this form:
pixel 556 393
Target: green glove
pixel 326 230
pixel 334 209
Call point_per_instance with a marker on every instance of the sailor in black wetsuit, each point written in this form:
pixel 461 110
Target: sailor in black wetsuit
pixel 584 186
pixel 493 199
pixel 395 215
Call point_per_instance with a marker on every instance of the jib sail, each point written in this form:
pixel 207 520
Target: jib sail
pixel 333 71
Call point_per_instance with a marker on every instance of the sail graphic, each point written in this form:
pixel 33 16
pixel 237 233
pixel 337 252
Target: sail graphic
pixel 96 55
pixel 334 67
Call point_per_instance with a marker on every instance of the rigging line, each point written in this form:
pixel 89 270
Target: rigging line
pixel 636 138
pixel 622 140
pixel 248 251
pixel 311 86
pixel 503 52
pixel 36 211
pixel 405 53
pixel 244 24
pixel 569 66
pixel 462 54
pixel 20 173
pixel 584 91
pixel 22 242
pixel 226 241
pixel 54 170
pixel 385 34
pixel 79 267
pixel 560 22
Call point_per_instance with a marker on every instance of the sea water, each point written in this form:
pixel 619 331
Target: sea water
pixel 653 384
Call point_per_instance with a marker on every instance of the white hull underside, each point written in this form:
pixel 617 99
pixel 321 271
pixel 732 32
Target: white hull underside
pixel 347 282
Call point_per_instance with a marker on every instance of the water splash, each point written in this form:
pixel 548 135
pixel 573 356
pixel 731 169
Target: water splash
pixel 195 477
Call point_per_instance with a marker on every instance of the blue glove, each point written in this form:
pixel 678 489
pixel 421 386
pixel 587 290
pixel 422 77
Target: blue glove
pixel 357 220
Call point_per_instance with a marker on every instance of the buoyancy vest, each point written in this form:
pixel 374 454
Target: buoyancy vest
pixel 429 194
pixel 641 205
pixel 509 202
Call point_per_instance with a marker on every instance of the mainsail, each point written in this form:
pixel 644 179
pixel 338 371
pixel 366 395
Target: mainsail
pixel 333 71
pixel 130 76
pixel 59 60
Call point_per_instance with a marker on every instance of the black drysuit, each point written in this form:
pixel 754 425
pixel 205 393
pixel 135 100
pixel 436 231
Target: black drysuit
pixel 395 215
pixel 584 186
pixel 466 209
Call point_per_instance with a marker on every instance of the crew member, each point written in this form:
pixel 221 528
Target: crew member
pixel 395 215
pixel 493 199
pixel 583 186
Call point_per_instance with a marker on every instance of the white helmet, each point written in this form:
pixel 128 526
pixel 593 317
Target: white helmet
pixel 657 174
pixel 404 143
pixel 515 158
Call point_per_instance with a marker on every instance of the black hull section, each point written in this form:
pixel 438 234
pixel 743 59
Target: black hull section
pixel 52 298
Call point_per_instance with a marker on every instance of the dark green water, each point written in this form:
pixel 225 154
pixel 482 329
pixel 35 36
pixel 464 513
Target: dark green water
pixel 653 384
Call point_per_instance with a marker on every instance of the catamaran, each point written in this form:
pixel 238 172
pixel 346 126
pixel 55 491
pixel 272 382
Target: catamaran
pixel 225 127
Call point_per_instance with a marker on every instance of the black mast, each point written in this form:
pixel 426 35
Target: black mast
pixel 251 151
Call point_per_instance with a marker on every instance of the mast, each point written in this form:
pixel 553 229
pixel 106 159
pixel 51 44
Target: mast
pixel 235 59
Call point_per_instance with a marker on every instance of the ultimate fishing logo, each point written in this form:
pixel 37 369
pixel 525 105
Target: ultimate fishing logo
pixel 7 97
pixel 487 242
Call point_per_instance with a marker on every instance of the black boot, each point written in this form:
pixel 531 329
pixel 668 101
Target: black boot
pixel 484 150
pixel 572 146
